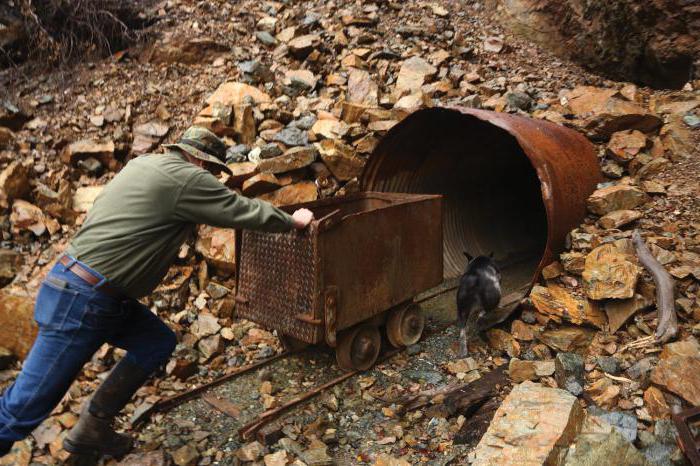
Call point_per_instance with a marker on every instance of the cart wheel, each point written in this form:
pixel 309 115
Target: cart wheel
pixel 405 325
pixel 292 344
pixel 358 347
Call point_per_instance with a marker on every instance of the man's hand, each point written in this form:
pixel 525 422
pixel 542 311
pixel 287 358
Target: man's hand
pixel 302 218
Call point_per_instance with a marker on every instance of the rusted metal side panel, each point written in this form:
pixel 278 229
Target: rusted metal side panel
pixel 278 282
pixel 381 258
pixel 362 255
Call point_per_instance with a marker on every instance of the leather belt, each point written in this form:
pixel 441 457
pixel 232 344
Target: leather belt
pixel 89 277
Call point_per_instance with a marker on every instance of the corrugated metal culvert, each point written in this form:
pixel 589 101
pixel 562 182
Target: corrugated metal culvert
pixel 512 185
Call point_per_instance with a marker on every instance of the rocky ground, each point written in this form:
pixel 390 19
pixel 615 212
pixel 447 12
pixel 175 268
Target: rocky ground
pixel 302 92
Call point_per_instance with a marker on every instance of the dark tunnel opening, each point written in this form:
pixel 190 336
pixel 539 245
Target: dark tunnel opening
pixel 492 195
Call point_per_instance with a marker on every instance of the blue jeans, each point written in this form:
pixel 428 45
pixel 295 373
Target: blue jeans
pixel 74 320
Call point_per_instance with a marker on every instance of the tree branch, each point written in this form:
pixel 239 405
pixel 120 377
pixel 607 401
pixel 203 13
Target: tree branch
pixel 667 328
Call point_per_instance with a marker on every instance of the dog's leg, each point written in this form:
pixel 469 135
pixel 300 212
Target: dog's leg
pixel 463 338
pixel 463 342
pixel 471 328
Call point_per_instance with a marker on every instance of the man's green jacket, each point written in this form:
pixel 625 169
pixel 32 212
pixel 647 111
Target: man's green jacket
pixel 134 230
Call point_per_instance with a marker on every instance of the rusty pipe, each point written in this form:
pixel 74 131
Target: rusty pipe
pixel 511 184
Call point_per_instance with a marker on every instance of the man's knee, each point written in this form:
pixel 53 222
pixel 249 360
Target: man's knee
pixel 169 342
pixel 163 346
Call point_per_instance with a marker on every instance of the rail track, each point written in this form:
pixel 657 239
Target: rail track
pixel 256 427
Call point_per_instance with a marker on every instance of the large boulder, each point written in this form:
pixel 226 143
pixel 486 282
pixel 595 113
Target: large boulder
pixel 534 425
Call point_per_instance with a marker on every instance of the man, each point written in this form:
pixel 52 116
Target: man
pixel 130 238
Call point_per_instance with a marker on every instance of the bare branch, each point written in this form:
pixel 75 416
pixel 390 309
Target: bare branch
pixel 667 328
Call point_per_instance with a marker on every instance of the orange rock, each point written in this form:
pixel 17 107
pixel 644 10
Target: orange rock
pixel 501 340
pixel 677 138
pixel 617 197
pixel 261 183
pixel 218 246
pixel 340 159
pixel 608 274
pixel 17 327
pixel 26 216
pixel 655 403
pixel 293 194
pixel 235 93
pixel 559 303
pixel 522 331
pixel 625 145
pixel 14 183
pixel 619 310
pixel 604 392
pixel 530 426
pixel 619 218
pixel 552 271
pixel 240 172
pixel 680 375
pixel 604 111
pixel 292 159
pixel 689 347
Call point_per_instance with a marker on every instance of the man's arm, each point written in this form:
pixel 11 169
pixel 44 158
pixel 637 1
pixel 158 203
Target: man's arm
pixel 205 200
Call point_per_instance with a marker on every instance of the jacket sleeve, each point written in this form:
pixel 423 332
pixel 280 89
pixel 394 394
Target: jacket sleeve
pixel 205 200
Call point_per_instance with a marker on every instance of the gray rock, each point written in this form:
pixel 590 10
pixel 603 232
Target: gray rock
pixel 91 165
pixel 270 150
pixel 217 291
pixel 290 446
pixel 609 364
pixel 265 37
pixel 599 449
pixel 569 370
pixel 641 369
pixel 519 100
pixel 354 436
pixel 266 352
pixel 665 430
pixel 692 120
pixel 528 317
pixel 612 169
pixel 317 457
pixel 431 377
pixel 472 101
pixel 292 136
pixel 311 19
pixel 254 71
pixel 305 122
pixel 625 423
pixel 661 454
pixel 237 153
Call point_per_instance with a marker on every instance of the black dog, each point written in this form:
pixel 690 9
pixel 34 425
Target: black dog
pixel 479 292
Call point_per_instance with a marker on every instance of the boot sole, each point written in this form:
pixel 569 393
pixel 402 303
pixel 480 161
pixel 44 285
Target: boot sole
pixel 86 449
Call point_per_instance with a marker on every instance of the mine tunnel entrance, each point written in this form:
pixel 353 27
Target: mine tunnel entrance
pixel 495 200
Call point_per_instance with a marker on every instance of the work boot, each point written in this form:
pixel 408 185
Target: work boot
pixel 94 433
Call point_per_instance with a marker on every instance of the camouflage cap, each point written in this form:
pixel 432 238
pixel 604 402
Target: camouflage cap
pixel 201 143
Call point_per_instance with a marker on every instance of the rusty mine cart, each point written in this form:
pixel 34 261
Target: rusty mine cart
pixel 355 269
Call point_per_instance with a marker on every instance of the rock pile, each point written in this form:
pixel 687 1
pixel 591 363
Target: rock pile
pixel 302 93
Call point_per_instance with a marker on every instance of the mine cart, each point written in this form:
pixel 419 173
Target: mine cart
pixel 355 269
